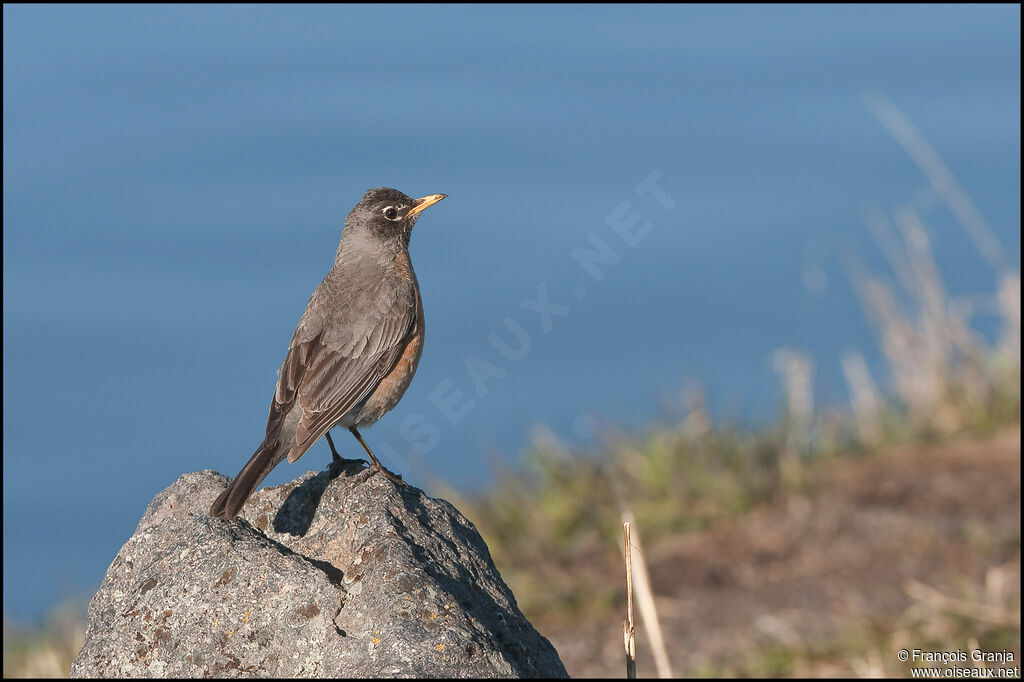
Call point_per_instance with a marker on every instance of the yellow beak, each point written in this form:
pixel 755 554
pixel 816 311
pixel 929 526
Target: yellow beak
pixel 423 204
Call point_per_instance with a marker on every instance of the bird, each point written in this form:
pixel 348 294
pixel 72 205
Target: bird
pixel 355 349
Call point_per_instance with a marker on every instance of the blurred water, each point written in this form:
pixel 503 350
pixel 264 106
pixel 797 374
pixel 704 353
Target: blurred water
pixel 175 180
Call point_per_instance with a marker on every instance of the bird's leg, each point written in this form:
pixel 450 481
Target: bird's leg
pixel 338 459
pixel 334 451
pixel 376 465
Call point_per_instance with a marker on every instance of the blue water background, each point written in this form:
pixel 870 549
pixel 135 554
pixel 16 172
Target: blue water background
pixel 175 180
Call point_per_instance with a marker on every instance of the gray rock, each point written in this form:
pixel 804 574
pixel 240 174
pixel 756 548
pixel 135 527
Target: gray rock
pixel 321 577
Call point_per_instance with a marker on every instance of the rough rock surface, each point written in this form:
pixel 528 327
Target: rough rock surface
pixel 321 577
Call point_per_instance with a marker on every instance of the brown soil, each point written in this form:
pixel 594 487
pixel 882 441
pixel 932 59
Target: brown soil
pixel 881 544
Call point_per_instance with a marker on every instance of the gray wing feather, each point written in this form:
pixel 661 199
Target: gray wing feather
pixel 332 372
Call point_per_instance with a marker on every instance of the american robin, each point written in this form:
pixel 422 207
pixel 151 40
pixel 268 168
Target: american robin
pixel 356 348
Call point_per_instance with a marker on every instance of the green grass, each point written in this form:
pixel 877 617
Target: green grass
pixel 560 514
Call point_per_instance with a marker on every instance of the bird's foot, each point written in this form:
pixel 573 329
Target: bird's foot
pixel 377 468
pixel 338 459
pixel 345 466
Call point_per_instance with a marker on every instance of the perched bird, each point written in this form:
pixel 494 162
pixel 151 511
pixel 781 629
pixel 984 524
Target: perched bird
pixel 356 347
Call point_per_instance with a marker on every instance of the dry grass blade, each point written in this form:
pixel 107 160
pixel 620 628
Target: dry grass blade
pixel 940 177
pixel 628 636
pixel 960 607
pixel 645 598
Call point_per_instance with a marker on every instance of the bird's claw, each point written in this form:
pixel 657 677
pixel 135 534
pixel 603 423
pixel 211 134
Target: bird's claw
pixel 366 473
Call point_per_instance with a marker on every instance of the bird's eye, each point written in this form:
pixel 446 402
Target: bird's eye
pixel 390 213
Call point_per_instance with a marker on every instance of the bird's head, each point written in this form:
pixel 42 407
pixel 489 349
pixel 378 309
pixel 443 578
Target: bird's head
pixel 388 214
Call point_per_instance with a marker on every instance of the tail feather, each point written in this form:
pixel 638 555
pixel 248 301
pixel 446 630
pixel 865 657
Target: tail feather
pixel 230 502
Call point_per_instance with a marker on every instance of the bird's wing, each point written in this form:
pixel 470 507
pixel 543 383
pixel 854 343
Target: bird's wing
pixel 328 377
